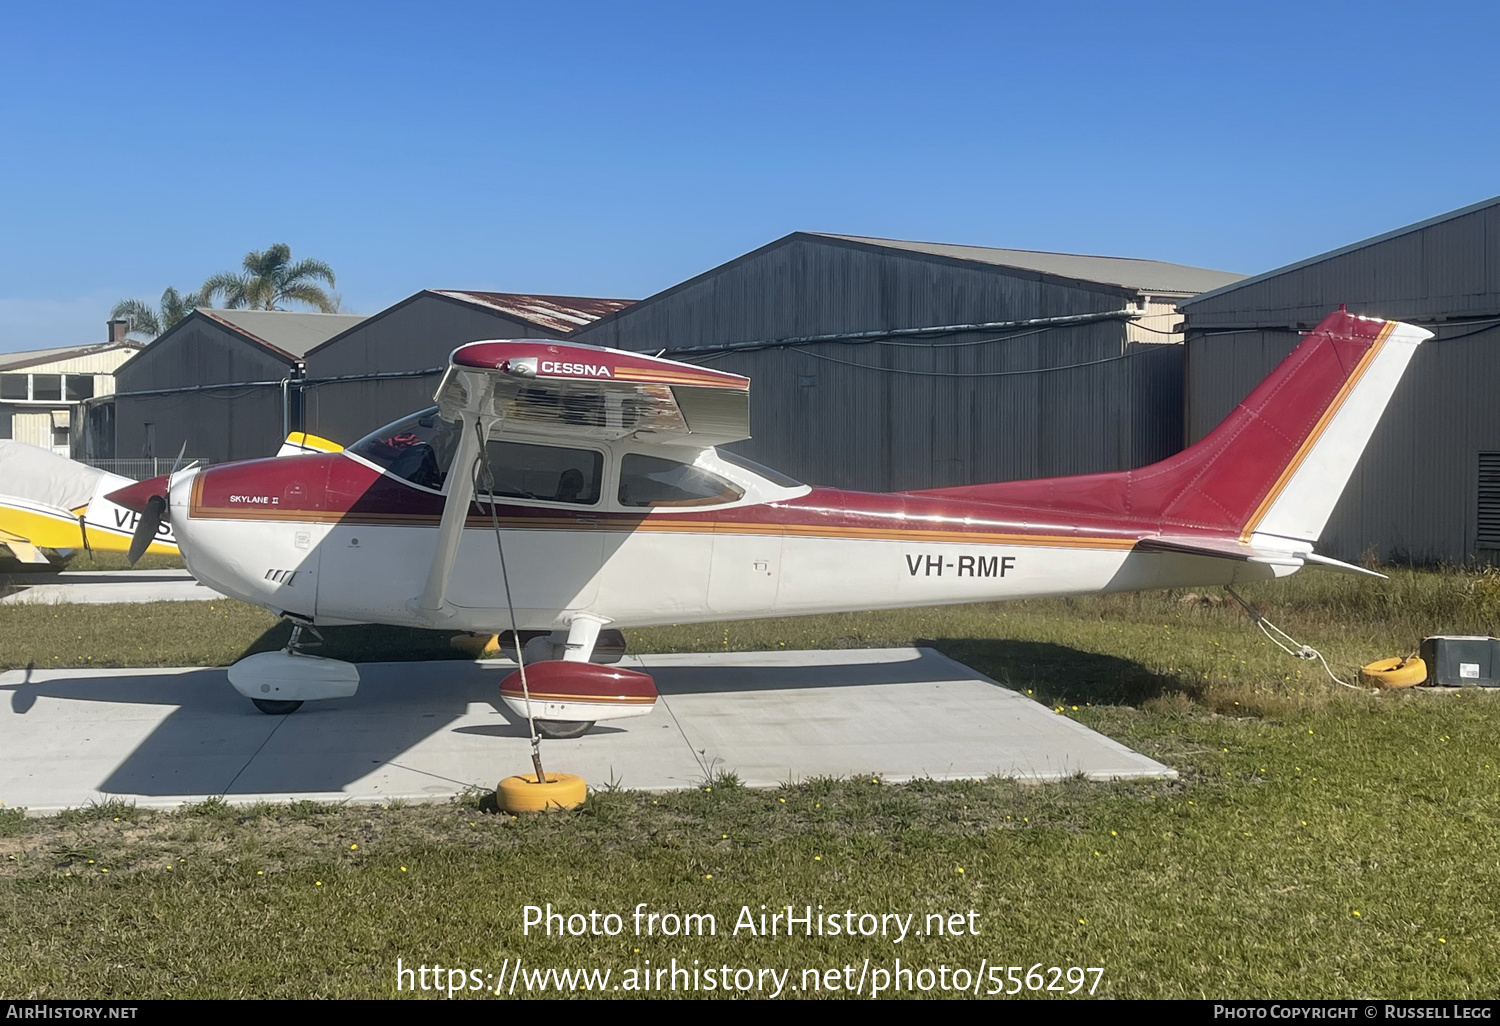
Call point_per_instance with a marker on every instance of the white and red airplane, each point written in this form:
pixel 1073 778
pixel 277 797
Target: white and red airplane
pixel 574 490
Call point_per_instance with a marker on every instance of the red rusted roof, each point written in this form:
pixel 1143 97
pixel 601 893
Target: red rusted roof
pixel 557 313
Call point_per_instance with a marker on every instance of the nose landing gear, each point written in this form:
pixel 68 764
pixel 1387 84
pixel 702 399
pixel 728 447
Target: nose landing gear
pixel 277 683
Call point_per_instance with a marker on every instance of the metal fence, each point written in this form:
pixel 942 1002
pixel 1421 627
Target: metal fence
pixel 143 469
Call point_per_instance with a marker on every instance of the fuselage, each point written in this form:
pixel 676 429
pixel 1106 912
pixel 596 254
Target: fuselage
pixel 339 538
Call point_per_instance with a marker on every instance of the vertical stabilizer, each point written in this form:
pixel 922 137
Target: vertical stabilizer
pixel 1276 465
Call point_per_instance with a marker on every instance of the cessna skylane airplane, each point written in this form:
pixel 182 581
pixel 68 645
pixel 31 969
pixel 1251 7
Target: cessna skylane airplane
pixel 572 490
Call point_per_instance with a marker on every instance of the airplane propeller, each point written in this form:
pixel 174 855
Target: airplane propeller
pixel 151 510
pixel 145 528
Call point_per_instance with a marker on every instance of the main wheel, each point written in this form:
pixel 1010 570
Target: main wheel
pixel 272 707
pixel 559 730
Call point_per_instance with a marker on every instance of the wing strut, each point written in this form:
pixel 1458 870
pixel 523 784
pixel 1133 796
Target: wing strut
pixel 433 601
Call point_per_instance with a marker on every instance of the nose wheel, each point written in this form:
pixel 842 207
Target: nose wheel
pixel 277 683
pixel 272 707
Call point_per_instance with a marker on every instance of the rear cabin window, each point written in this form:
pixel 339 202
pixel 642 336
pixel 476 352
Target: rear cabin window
pixel 418 448
pixel 547 472
pixel 652 481
pixel 776 477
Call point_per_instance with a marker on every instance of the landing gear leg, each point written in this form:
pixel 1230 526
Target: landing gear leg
pixel 583 632
pixel 295 644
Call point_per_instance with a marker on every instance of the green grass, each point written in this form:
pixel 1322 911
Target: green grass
pixel 1299 805
pixel 101 561
pixel 1241 880
pixel 184 634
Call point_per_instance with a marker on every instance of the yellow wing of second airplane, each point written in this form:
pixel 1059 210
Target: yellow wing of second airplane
pixel 49 502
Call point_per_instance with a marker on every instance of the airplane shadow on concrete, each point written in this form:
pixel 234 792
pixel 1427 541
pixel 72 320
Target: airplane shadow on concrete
pixel 1059 673
pixel 923 665
pixel 214 741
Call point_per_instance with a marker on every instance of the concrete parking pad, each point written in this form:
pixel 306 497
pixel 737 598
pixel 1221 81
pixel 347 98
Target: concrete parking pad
pixel 432 730
pixel 103 587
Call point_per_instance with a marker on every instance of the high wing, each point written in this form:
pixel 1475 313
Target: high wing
pixel 577 392
pixel 580 392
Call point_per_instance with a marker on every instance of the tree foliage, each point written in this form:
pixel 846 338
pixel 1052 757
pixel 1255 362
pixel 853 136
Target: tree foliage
pixel 152 321
pixel 269 279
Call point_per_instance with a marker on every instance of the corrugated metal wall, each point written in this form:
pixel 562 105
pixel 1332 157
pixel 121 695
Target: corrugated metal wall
pixel 802 287
pixel 1450 269
pixel 918 415
pixel 229 425
pixel 1414 494
pixel 243 424
pixel 413 336
pixel 32 427
pixel 894 418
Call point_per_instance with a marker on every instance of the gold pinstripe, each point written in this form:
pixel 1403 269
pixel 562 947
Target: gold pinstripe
pixel 1316 433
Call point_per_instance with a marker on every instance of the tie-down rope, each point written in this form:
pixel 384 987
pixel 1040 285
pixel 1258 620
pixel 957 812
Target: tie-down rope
pixel 482 465
pixel 1300 651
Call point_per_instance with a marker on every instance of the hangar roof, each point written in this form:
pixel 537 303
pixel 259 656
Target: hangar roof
pixel 32 357
pixel 1343 250
pixel 1149 276
pixel 288 333
pixel 559 313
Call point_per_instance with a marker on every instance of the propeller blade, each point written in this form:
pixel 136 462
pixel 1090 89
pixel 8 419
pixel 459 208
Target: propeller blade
pixel 180 454
pixel 145 528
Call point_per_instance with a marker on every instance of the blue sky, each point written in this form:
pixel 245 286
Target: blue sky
pixel 615 149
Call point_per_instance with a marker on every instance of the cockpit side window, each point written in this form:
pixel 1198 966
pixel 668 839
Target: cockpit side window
pixel 653 481
pixel 418 448
pixel 548 472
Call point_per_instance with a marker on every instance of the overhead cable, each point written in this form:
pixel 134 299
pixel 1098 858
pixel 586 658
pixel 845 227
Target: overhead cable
pixel 984 374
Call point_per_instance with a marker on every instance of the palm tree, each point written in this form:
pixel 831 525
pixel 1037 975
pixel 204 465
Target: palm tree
pixel 144 320
pixel 270 279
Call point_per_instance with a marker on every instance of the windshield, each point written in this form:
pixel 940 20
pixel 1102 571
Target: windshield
pixel 418 448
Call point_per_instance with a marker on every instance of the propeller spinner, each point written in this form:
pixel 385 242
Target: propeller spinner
pixel 147 498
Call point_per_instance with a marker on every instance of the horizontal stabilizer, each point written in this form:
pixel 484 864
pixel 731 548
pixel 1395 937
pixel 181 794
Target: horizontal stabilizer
pixel 26 552
pixel 1219 548
pixel 1233 548
pixel 1329 563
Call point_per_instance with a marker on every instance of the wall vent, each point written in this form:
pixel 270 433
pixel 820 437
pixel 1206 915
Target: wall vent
pixel 1489 501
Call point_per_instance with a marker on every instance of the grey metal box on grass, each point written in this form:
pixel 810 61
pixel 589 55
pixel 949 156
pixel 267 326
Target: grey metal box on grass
pixel 1462 660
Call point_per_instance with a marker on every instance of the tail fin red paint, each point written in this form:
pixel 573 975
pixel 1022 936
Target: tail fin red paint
pixel 1274 467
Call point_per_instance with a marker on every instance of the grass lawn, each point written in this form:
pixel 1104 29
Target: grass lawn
pixel 1319 843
